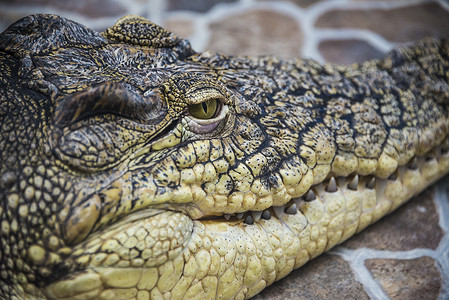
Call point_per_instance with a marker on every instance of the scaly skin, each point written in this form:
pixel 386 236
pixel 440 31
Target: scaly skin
pixel 133 167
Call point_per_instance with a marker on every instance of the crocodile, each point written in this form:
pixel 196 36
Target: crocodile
pixel 133 167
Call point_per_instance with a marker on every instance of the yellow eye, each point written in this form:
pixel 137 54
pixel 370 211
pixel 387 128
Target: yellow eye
pixel 204 110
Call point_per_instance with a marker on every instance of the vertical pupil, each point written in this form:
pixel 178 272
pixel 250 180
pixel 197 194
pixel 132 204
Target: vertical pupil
pixel 204 107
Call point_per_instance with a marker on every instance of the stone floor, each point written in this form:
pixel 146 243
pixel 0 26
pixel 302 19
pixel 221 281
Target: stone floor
pixel 403 256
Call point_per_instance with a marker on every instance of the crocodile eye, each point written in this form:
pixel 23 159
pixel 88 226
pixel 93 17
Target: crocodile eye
pixel 204 110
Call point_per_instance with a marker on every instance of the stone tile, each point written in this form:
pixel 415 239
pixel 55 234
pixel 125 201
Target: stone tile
pixel 89 8
pixel 194 5
pixel 348 51
pixel 182 27
pixel 414 225
pixel 407 279
pixel 326 277
pixel 255 33
pixel 398 25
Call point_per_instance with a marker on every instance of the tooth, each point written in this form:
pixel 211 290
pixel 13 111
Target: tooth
pixel 332 186
pixel 266 215
pixel 310 196
pixel 256 215
pixel 371 184
pixel 354 183
pixel 292 209
pixel 249 220
pixel 239 215
pixel 227 216
pixel 413 164
pixel 279 211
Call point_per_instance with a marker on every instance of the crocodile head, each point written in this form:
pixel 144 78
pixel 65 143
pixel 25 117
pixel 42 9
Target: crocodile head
pixel 132 166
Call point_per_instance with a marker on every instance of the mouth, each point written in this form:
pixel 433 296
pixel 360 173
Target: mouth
pixel 330 212
pixel 358 194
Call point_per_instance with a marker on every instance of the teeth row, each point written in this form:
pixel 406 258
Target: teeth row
pixel 254 216
pixel 292 207
pixel 250 217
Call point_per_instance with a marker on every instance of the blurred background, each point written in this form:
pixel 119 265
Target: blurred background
pixel 343 31
pixel 404 256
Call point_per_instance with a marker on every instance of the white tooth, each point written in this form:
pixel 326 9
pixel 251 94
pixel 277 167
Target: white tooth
pixel 249 220
pixel 239 215
pixel 310 196
pixel 227 216
pixel 266 215
pixel 371 183
pixel 256 215
pixel 291 210
pixel 279 211
pixel 332 186
pixel 353 185
pixel 393 176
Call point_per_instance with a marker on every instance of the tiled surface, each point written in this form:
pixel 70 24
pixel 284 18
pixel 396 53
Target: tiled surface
pixel 400 24
pixel 403 256
pixel 261 31
pixel 405 279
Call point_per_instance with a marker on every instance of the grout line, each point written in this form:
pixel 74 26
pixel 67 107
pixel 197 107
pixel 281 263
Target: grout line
pixel 361 34
pixel 442 204
pixel 247 1
pixel 444 4
pixel 368 253
pixel 362 274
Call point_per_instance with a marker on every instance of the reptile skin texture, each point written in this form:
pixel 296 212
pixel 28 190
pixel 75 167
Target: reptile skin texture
pixel 132 167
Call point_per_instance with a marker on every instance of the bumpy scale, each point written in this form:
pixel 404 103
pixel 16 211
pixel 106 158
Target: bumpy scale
pixel 133 167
